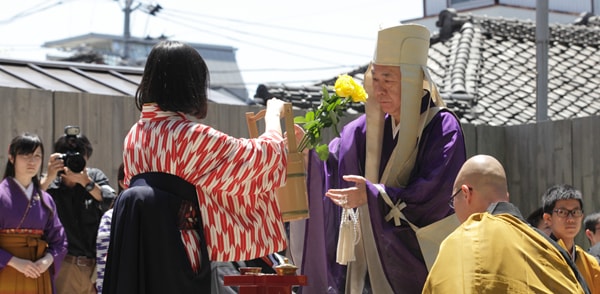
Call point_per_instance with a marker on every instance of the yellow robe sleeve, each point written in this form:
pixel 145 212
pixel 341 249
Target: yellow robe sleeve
pixel 499 254
pixel 590 270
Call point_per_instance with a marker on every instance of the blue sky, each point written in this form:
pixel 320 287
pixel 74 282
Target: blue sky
pixel 295 42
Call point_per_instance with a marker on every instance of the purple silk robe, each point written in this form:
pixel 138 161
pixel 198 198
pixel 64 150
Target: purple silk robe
pixel 441 154
pixel 13 204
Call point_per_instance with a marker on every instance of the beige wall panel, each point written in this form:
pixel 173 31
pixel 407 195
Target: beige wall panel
pixel 535 156
pixel 25 110
pixel 470 134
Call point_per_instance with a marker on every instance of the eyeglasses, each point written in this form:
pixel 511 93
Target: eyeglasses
pixel 451 201
pixel 566 213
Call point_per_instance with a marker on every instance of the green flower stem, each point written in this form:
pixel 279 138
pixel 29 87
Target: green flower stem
pixel 327 114
pixel 303 143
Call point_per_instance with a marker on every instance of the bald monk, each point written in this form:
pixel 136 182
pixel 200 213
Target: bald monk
pixel 495 250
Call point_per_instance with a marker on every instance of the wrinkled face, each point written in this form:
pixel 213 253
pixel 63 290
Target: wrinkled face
pixel 28 165
pixel 565 227
pixel 386 85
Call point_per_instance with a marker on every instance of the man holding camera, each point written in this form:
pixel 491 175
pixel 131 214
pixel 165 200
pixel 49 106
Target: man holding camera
pixel 82 194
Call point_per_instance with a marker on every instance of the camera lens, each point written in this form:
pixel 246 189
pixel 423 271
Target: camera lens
pixel 74 161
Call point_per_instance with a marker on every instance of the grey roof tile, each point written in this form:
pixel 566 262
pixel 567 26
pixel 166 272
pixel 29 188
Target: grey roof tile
pixel 554 107
pixel 493 62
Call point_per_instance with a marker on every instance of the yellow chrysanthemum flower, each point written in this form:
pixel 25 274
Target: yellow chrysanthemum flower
pixel 328 113
pixel 360 95
pixel 346 86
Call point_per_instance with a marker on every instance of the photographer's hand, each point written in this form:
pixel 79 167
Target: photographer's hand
pixel 55 164
pixel 83 179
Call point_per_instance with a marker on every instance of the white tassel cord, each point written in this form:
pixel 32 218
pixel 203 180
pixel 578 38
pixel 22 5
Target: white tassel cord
pixel 348 237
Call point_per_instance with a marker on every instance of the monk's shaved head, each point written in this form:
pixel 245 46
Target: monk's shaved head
pixel 483 179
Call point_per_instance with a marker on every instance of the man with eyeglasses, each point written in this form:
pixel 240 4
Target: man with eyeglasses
pixel 563 211
pixel 495 250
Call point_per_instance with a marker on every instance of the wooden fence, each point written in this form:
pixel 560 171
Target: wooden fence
pixel 535 156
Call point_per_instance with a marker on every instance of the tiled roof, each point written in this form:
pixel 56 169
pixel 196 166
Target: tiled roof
pixel 85 78
pixel 308 96
pixel 224 72
pixel 486 70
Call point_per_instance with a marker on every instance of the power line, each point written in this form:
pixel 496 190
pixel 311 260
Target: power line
pixel 33 10
pixel 185 19
pixel 245 84
pixel 328 34
pixel 252 34
pixel 290 69
pixel 251 43
pixel 192 23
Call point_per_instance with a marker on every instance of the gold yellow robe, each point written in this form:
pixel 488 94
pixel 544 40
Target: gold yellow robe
pixel 588 267
pixel 499 253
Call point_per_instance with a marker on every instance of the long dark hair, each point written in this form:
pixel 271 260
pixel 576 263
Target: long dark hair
pixel 23 144
pixel 176 78
pixel 26 144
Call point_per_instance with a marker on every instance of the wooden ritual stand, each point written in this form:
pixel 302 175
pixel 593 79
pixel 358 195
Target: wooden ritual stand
pixel 265 284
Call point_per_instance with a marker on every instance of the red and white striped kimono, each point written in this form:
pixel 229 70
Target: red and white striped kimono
pixel 235 179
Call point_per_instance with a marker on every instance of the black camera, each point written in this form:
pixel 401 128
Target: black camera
pixel 72 159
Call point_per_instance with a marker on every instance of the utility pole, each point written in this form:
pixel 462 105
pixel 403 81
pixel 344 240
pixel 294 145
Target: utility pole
pixel 541 41
pixel 151 9
pixel 126 32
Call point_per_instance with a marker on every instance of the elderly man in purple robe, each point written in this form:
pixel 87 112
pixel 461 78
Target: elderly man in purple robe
pixel 403 154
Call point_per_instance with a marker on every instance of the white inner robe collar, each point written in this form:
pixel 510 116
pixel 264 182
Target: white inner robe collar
pixel 28 191
pixel 395 128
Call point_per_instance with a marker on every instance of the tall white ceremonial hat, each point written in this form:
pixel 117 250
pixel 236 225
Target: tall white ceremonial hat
pixel 405 46
pixel 402 44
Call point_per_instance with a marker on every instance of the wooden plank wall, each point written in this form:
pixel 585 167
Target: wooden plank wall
pixel 585 161
pixel 25 110
pixel 538 156
pixel 535 156
pixel 104 120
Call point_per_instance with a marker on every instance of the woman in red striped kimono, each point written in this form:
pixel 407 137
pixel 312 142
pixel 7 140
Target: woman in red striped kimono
pixel 219 189
pixel 32 239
